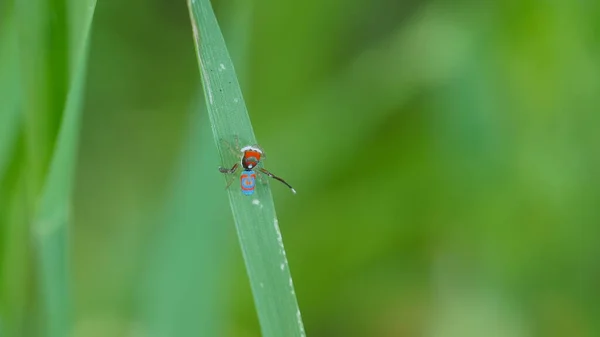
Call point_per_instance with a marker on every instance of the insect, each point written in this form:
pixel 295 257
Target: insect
pixel 250 158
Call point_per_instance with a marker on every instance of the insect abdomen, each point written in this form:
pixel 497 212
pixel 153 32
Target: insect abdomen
pixel 248 182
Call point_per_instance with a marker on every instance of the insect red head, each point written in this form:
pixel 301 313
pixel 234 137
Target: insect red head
pixel 251 156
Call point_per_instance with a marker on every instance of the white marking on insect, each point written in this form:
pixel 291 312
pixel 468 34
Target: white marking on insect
pixel 251 148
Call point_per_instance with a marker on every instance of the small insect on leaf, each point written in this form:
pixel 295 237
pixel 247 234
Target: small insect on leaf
pixel 250 157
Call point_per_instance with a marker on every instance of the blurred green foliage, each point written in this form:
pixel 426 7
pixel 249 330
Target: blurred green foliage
pixel 445 156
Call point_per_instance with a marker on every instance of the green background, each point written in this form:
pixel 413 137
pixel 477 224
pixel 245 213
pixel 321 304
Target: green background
pixel 445 153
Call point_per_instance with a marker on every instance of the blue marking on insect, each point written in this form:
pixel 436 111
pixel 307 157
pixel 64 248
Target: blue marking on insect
pixel 248 182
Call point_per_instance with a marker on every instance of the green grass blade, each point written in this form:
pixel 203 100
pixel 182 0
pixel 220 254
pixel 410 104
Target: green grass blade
pixel 255 218
pixel 50 228
pixel 43 51
pixel 9 90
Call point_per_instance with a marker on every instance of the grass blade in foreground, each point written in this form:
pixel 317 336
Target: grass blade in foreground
pixel 255 218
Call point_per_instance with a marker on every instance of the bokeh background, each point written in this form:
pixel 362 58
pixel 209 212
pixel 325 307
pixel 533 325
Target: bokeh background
pixel 445 154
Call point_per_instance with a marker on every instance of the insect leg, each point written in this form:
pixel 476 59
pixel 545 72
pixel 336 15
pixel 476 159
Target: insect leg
pixel 228 171
pixel 231 170
pixel 276 177
pixel 260 177
pixel 229 182
pixel 234 151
